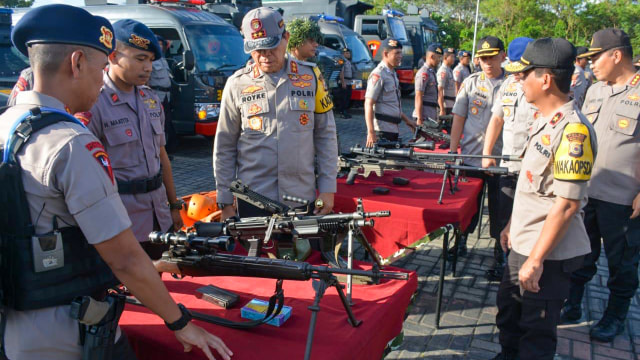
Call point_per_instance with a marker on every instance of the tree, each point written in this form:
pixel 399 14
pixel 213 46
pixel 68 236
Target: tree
pixel 16 3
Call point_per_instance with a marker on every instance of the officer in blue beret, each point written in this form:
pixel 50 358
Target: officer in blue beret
pixel 71 198
pixel 129 120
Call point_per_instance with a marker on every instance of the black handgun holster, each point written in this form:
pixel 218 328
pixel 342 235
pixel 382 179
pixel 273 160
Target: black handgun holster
pixel 98 321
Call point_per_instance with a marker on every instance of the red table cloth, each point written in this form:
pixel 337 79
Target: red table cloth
pixel 414 208
pixel 381 307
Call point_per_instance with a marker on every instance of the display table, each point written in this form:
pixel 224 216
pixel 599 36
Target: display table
pixel 415 211
pixel 381 307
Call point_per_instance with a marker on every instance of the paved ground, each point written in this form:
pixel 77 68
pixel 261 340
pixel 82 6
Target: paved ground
pixel 468 328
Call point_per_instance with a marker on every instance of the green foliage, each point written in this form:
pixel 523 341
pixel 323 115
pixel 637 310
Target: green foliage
pixel 301 30
pixel 16 3
pixel 575 20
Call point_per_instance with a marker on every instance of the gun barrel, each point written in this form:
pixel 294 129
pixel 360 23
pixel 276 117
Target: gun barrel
pixel 222 243
pixel 424 145
pixel 383 213
pixel 373 274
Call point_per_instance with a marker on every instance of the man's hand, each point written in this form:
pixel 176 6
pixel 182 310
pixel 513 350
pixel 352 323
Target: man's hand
pixel 505 238
pixel 371 139
pixel 488 162
pixel 442 112
pixel 192 335
pixel 227 212
pixel 529 275
pixel 177 219
pixel 419 121
pixel 327 204
pixel 411 124
pixel 636 207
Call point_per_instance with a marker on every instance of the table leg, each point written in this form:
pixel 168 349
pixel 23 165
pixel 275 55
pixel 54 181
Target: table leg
pixel 443 266
pixel 481 209
pixel 454 263
pixel 349 264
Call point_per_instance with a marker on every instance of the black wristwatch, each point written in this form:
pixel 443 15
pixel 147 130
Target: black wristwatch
pixel 178 205
pixel 182 322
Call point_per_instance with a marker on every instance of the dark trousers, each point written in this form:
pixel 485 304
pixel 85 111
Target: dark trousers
pixel 122 349
pixel 343 100
pixel 528 321
pixel 621 238
pixel 169 131
pixel 507 191
pixel 389 136
pixel 495 221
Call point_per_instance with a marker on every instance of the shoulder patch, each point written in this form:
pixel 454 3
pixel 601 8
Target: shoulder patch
pixel 294 67
pixel 98 152
pixel 323 100
pixel 84 117
pixel 634 80
pixel 374 78
pixel 573 159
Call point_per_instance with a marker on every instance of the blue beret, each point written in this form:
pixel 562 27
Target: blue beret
pixel 62 24
pixel 516 48
pixel 435 48
pixel 137 35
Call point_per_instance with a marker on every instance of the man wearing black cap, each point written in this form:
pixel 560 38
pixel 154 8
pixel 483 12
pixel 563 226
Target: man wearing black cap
pixel 579 83
pixel 276 123
pixel 426 86
pixel 128 118
pixel 546 234
pixel 612 105
pixel 382 104
pixel 446 83
pixel 346 76
pixel 471 115
pixel 463 69
pixel 72 197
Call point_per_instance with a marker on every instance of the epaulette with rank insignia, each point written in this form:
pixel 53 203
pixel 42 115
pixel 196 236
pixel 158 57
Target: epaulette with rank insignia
pixel 554 120
pixel 635 80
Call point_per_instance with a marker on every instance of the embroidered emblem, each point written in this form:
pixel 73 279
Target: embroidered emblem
pixel 555 119
pixel 304 119
pixel 477 102
pixel 251 89
pixel 84 117
pixel 256 71
pixel 256 24
pixel 151 104
pixel 635 80
pixel 141 92
pixel 536 115
pixel 474 110
pixel 306 77
pixel 255 123
pixel 506 110
pixel 512 87
pixel 530 177
pixel 139 41
pixel 507 101
pixel 129 132
pixel 294 77
pixel 393 43
pixel 483 89
pixel 633 97
pixel 254 109
pixel 106 38
pixel 97 150
pixel 374 78
pixel 304 105
pixel 485 45
pixel 114 97
pixel 258 34
pixel 575 144
pixel 590 117
pixel 300 84
pixel 623 123
pixel 546 139
pixel 280 24
pixel 294 67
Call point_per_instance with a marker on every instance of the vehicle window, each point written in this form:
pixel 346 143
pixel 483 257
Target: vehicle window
pixel 397 28
pixel 359 51
pixel 332 42
pixel 176 48
pixel 216 47
pixel 12 61
pixel 429 36
pixel 370 27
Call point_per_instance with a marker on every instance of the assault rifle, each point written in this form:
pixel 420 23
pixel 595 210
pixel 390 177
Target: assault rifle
pixel 364 161
pixel 432 130
pixel 195 261
pixel 257 231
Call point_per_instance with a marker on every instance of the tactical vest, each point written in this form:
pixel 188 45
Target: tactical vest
pixel 36 271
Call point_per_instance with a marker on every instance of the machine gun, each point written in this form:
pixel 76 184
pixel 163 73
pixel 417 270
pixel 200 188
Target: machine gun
pixel 364 161
pixel 386 144
pixel 194 261
pixel 432 130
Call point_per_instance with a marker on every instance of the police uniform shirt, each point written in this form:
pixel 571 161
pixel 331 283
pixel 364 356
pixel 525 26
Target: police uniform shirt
pixel 384 89
pixel 460 72
pixel 425 81
pixel 614 112
pixel 67 174
pixel 271 133
pixel 160 78
pixel 519 116
pixel 557 163
pixel 474 102
pixel 348 70
pixel 131 127
pixel 445 81
pixel 579 86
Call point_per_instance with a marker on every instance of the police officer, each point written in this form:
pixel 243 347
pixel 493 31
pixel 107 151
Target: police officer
pixel 579 83
pixel 426 87
pixel 129 120
pixel 304 39
pixel 346 75
pixel 612 105
pixel 70 186
pixel 546 233
pixel 275 122
pixel 382 104
pixel 471 115
pixel 463 69
pixel 24 83
pixel 446 83
pixel 512 116
pixel 160 82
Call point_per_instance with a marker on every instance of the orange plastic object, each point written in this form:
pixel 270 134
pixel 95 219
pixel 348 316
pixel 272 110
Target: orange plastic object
pixel 214 215
pixel 200 206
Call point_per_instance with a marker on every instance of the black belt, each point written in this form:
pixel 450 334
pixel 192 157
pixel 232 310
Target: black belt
pixel 430 104
pixel 450 98
pixel 140 186
pixel 388 118
pixel 160 88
